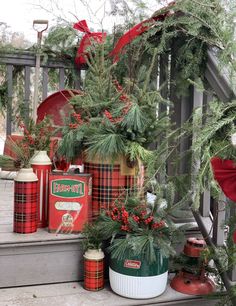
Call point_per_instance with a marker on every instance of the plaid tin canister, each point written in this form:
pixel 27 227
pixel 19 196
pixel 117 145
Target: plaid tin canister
pixel 112 181
pixel 25 202
pixel 94 270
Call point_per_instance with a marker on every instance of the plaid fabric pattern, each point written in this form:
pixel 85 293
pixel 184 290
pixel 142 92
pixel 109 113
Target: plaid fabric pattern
pixel 25 207
pixel 93 274
pixel 108 185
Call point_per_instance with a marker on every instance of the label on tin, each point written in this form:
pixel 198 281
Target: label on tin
pixel 67 220
pixel 72 206
pixel 67 188
pixel 133 264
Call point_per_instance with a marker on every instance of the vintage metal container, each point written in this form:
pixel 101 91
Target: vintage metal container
pixel 25 201
pixel 135 277
pixel 112 180
pixel 94 270
pixel 42 166
pixel 69 202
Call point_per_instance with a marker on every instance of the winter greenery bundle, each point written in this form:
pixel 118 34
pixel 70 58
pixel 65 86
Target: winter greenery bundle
pixel 136 228
pixel 36 137
pixel 107 121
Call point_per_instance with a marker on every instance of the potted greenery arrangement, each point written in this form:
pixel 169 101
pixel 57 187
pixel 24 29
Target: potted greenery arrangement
pixel 140 239
pixel 110 129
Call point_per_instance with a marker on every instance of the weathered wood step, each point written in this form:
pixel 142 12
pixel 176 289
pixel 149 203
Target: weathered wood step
pixel 73 294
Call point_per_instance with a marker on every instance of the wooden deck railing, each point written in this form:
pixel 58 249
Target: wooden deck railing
pixel 27 60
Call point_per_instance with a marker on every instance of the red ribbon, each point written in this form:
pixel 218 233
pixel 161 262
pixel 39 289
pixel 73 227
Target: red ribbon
pixel 137 30
pixel 127 38
pixel 86 41
pixel 225 174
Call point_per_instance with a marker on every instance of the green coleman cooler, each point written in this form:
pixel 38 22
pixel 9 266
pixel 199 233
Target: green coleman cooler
pixel 136 278
pixel 69 202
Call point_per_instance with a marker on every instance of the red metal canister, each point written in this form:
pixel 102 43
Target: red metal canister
pixel 69 202
pixel 42 165
pixel 25 202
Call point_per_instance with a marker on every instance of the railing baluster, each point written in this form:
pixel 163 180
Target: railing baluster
pixel 205 204
pixel 45 83
pixel 61 78
pixel 27 93
pixel 218 221
pixel 9 95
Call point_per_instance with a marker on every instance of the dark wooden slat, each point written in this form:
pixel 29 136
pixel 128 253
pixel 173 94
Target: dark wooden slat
pixel 61 78
pixel 27 91
pixel 45 83
pixel 9 95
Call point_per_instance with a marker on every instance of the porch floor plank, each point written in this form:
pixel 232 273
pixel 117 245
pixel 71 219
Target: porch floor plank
pixel 73 294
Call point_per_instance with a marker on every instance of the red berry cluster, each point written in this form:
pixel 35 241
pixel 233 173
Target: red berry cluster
pixel 144 219
pixel 78 121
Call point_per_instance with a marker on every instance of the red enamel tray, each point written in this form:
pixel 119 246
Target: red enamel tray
pixel 57 106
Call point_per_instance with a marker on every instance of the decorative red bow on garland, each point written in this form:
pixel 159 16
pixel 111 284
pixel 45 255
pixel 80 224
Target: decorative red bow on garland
pixel 86 41
pixel 127 38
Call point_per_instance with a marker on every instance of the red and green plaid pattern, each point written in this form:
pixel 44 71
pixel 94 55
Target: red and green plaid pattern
pixel 25 207
pixel 93 274
pixel 108 185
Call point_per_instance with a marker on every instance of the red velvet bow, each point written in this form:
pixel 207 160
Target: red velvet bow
pixel 225 174
pixel 86 41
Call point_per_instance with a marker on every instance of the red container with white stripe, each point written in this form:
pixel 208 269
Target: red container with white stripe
pixel 42 166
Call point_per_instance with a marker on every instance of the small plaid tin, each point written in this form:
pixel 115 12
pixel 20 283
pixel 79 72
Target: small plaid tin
pixel 94 270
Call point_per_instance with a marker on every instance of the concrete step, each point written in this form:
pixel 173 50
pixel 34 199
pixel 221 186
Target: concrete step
pixel 73 294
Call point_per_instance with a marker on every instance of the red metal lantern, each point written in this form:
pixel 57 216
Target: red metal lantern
pixel 186 281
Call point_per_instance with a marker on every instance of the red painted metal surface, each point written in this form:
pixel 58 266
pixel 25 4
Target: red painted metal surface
pixel 194 247
pixel 57 106
pixel 42 172
pixel 189 283
pixel 69 201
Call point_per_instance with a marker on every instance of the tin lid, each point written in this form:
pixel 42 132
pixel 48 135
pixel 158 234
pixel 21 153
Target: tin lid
pixel 94 254
pixel 60 172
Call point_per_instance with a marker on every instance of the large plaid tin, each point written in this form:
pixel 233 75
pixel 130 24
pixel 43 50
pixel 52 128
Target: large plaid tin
pixel 112 181
pixel 25 207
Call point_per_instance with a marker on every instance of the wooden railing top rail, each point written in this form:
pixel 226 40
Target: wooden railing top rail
pixel 28 58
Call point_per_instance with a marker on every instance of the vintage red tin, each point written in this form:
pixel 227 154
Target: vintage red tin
pixel 69 202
